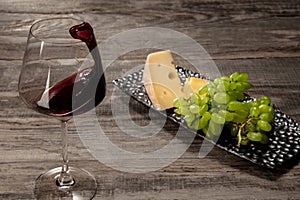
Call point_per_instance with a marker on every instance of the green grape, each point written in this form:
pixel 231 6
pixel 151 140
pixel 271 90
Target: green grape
pixel 176 110
pixel 176 103
pixel 239 86
pixel 251 126
pixel 243 112
pixel 218 119
pixel 189 119
pixel 238 118
pixel 194 98
pixel 254 103
pixel 212 84
pixel 194 124
pixel 180 102
pixel 225 78
pixel 203 109
pixel 221 88
pixel 242 77
pixel 234 130
pixel 206 116
pixel 184 110
pixel 233 86
pixel 215 128
pixel 204 100
pixel 264 97
pixel 221 98
pixel 211 91
pixel 244 141
pixel 269 117
pixel 203 122
pixel 227 115
pixel 234 95
pixel 234 105
pixel 265 108
pixel 194 108
pixel 254 136
pixel 264 125
pixel 218 81
pixel 234 76
pixel 254 111
pixel 203 90
pixel 226 85
pixel 265 100
pixel 246 106
pixel 246 85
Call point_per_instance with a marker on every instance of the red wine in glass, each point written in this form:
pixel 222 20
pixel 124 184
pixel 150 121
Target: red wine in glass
pixel 81 91
pixel 61 76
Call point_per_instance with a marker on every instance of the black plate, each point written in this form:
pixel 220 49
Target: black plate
pixel 282 149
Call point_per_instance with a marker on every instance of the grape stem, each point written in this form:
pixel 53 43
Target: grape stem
pixel 239 135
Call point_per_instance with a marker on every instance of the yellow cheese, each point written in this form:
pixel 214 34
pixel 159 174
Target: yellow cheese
pixel 161 80
pixel 194 83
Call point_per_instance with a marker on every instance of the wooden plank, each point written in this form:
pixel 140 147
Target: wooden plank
pixel 219 7
pixel 260 29
pixel 228 40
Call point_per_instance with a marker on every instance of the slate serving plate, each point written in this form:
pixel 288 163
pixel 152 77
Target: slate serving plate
pixel 282 149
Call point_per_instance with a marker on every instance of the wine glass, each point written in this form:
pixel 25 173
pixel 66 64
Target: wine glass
pixel 62 76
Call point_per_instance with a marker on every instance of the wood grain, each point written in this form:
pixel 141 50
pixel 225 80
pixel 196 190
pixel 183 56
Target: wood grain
pixel 261 38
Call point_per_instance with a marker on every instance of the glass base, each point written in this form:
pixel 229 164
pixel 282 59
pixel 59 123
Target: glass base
pixel 83 187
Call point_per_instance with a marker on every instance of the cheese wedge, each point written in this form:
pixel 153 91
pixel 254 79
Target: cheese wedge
pixel 162 83
pixel 161 80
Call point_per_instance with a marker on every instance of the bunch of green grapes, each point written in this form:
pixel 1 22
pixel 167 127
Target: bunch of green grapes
pixel 220 103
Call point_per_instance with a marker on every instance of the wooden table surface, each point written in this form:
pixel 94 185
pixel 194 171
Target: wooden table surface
pixel 261 38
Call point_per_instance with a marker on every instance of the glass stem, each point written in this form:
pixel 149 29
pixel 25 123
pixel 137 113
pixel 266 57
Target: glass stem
pixel 65 179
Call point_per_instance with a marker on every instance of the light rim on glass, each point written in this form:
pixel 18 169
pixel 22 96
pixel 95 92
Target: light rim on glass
pixel 45 40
